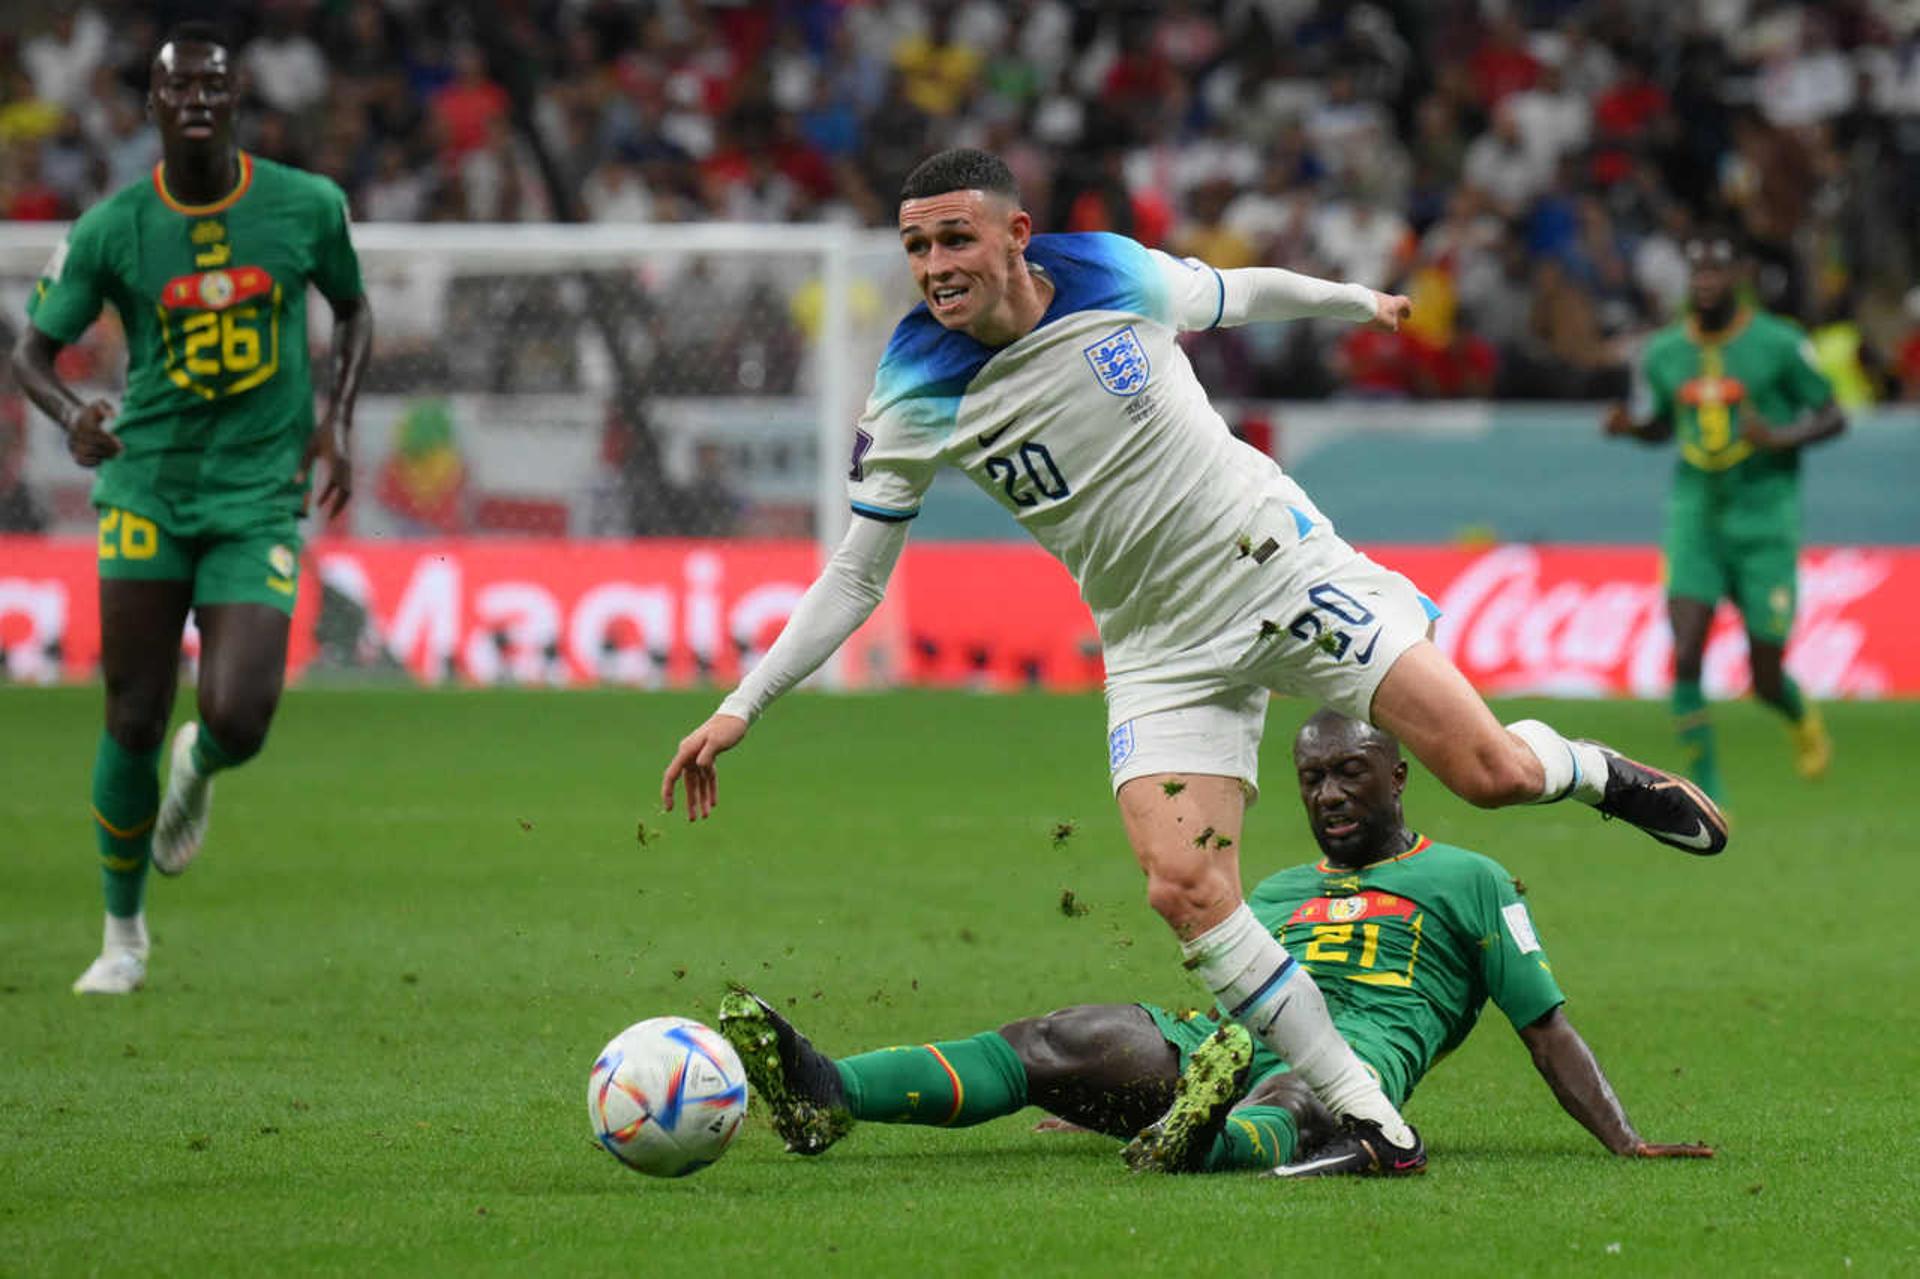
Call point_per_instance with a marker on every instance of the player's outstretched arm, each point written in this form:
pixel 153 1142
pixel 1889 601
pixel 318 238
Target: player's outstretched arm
pixel 1257 294
pixel 352 347
pixel 1568 1065
pixel 85 422
pixel 845 594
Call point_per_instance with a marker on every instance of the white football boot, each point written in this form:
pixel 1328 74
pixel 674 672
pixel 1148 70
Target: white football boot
pixel 184 811
pixel 121 968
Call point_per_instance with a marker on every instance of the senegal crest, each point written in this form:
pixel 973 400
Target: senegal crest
pixel 216 290
pixel 1120 362
pixel 1342 910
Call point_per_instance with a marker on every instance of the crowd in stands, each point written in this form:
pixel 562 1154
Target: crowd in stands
pixel 1527 169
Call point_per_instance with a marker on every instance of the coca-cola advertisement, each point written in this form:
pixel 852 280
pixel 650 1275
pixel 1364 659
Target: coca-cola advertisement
pixel 1563 621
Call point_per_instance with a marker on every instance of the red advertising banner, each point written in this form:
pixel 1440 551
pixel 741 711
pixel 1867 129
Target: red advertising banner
pixel 1572 621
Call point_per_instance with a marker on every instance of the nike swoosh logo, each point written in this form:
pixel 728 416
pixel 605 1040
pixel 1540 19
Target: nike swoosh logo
pixel 986 438
pixel 1365 655
pixel 1307 1166
pixel 1699 839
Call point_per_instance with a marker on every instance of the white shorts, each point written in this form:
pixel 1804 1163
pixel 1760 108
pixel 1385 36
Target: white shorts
pixel 1328 633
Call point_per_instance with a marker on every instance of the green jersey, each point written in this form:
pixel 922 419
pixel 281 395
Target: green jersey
pixel 1408 951
pixel 213 300
pixel 1700 386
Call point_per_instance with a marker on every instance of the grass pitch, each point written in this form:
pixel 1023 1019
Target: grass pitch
pixel 373 1003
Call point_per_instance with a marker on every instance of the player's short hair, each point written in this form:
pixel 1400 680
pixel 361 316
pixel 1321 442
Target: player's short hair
pixel 194 31
pixel 960 169
pixel 1329 720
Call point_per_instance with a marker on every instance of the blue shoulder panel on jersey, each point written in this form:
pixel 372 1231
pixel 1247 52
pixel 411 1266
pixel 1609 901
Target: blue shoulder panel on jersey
pixel 1099 271
pixel 926 370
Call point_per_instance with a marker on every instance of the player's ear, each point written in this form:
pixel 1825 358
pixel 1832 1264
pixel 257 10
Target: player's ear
pixel 1399 777
pixel 1019 229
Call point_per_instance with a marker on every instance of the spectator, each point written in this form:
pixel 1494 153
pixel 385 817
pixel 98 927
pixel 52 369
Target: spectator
pixel 1500 163
pixel 1660 264
pixel 1503 65
pixel 1537 176
pixel 1564 326
pixel 468 109
pixel 397 191
pixel 615 192
pixel 283 65
pixel 937 74
pixel 1356 239
pixel 131 147
pixel 1551 119
pixel 1209 237
pixel 62 60
pixel 25 195
pixel 1807 84
pixel 24 117
pixel 1437 154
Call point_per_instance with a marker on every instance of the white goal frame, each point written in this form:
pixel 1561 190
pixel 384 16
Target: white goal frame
pixel 548 247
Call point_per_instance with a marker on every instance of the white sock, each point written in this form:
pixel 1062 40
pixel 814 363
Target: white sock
pixel 1267 992
pixel 1575 770
pixel 129 933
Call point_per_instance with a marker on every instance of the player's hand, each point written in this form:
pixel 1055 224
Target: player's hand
pixel 694 761
pixel 1390 311
pixel 1618 421
pixel 1660 1150
pixel 1755 431
pixel 327 445
pixel 89 440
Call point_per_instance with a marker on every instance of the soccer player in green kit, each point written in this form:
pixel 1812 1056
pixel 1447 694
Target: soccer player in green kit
pixel 1407 938
pixel 1740 389
pixel 203 469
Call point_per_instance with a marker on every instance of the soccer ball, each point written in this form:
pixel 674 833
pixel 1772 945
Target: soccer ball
pixel 666 1097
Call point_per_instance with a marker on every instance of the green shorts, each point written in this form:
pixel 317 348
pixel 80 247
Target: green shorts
pixel 1735 536
pixel 1187 1031
pixel 259 566
pixel 1760 577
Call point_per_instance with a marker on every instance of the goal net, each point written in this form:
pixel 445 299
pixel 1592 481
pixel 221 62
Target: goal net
pixel 541 395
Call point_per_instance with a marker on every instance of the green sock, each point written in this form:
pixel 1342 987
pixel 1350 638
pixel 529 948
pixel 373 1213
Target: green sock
pixel 1696 734
pixel 209 756
pixel 1791 703
pixel 950 1084
pixel 1255 1137
pixel 126 799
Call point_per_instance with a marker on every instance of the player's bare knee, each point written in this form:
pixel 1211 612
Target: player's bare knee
pixel 1055 1046
pixel 136 717
pixel 136 729
pixel 1188 896
pixel 1311 1118
pixel 1032 1042
pixel 239 726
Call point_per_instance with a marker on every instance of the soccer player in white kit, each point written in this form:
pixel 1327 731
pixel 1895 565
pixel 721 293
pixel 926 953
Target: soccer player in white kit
pixel 1047 368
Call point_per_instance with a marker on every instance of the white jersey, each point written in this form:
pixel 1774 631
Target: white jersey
pixel 1094 432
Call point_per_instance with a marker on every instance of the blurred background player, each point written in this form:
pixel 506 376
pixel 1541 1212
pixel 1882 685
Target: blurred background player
pixel 203 471
pixel 1408 937
pixel 1742 390
pixel 1047 369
